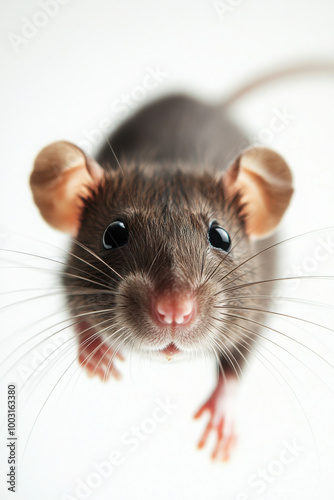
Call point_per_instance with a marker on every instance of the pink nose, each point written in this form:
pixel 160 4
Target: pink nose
pixel 174 310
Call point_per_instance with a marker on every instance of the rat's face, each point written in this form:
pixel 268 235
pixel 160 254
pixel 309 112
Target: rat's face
pixel 164 247
pixel 159 252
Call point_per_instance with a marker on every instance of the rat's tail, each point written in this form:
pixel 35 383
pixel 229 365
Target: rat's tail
pixel 325 67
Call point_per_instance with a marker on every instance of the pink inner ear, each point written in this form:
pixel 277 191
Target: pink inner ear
pixel 264 182
pixel 62 174
pixel 59 201
pixel 96 172
pixel 76 183
pixel 260 220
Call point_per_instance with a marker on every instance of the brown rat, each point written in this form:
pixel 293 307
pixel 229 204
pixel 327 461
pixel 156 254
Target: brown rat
pixel 163 233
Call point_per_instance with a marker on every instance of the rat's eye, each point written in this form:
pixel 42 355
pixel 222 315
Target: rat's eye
pixel 218 237
pixel 116 235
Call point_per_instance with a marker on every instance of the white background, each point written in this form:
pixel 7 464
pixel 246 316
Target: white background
pixel 60 84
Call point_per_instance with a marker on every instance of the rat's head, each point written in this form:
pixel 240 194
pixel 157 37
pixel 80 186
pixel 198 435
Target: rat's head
pixel 159 251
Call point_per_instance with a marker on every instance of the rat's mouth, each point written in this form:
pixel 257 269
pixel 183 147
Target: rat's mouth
pixel 170 351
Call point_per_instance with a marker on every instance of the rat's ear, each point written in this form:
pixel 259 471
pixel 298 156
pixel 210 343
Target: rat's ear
pixel 63 174
pixel 264 183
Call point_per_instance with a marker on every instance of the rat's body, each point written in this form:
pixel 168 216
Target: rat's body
pixel 164 229
pixel 177 129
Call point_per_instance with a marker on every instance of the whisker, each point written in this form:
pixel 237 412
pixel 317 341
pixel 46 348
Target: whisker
pixel 214 272
pixel 84 363
pixel 47 399
pixel 52 294
pixel 81 245
pixel 49 259
pixel 35 346
pixel 263 337
pixel 41 320
pixel 238 277
pixel 275 313
pixel 272 298
pixel 281 333
pixel 110 362
pixel 276 245
pixel 291 390
pixel 220 368
pixel 74 337
pixel 273 280
pixel 61 273
pixel 121 169
pixel 66 252
pixel 235 346
pixel 227 354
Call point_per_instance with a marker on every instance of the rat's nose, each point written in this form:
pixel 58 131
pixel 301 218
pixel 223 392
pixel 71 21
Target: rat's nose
pixel 174 310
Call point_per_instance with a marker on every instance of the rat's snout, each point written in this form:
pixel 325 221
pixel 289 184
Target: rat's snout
pixel 174 309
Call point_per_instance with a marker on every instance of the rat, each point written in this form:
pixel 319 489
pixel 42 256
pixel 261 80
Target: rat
pixel 164 226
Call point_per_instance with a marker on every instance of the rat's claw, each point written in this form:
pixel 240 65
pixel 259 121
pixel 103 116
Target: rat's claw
pixel 225 435
pixel 226 441
pixel 97 358
pixel 205 436
pixel 209 426
pixel 221 421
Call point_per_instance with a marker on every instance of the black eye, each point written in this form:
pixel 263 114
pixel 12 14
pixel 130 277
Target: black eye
pixel 116 235
pixel 219 238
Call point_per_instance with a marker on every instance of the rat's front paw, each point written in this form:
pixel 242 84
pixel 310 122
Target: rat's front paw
pixel 221 421
pixel 97 357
